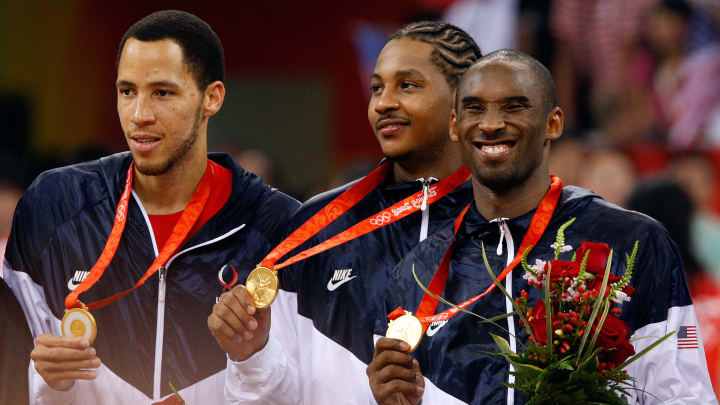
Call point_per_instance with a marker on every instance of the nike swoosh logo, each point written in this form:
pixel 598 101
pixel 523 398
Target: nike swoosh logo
pixel 72 285
pixel 333 286
pixel 432 329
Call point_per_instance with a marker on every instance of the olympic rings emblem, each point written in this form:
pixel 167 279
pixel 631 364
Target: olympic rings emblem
pixel 122 210
pixel 381 219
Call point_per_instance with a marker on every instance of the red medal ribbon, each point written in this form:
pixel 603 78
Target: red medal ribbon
pixel 182 228
pixel 347 200
pixel 537 227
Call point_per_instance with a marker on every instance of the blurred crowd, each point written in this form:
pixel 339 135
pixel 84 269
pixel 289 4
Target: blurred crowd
pixel 639 81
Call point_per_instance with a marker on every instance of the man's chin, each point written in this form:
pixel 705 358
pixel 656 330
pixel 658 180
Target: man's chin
pixel 150 169
pixel 396 155
pixel 498 181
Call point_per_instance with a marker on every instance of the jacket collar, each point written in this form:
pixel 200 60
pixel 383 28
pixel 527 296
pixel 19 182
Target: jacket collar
pixel 571 198
pixel 247 193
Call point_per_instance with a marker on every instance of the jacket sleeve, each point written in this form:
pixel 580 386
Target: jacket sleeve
pixel 270 376
pixel 21 271
pixel 675 372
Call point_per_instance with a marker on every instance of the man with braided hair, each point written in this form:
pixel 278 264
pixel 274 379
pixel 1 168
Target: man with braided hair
pixel 330 306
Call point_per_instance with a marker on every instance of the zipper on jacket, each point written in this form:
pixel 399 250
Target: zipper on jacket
pixel 506 236
pixel 503 229
pixel 159 332
pixel 425 222
pixel 501 224
pixel 160 325
pixel 160 328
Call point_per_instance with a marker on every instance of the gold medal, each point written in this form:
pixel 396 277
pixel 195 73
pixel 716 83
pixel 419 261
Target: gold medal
pixel 406 328
pixel 262 286
pixel 79 323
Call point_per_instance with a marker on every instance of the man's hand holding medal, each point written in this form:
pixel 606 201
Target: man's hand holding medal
pixel 240 329
pixel 240 321
pixel 61 360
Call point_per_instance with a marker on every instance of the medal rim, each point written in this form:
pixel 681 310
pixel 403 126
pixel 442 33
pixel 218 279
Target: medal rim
pixel 275 289
pixel 413 319
pixel 87 315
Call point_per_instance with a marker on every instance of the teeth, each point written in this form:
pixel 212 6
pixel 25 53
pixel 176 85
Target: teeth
pixel 494 149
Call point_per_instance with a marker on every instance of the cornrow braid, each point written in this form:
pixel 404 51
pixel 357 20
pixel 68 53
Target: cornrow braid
pixel 454 49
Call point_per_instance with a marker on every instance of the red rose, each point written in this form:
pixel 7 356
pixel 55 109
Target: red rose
pixel 596 283
pixel 537 323
pixel 597 259
pixel 614 338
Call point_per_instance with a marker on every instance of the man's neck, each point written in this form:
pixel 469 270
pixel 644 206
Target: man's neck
pixel 172 191
pixel 514 202
pixel 443 166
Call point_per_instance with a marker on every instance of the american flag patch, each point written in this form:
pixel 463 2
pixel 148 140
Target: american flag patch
pixel 687 337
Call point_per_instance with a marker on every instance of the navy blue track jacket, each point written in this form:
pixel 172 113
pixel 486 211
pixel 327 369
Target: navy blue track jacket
pixel 451 355
pixel 330 305
pixel 158 333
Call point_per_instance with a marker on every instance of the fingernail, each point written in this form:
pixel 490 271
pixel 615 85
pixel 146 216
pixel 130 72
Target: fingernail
pixel 415 363
pixel 419 389
pixel 404 346
pixel 252 324
pixel 237 339
pixel 248 335
pixel 251 309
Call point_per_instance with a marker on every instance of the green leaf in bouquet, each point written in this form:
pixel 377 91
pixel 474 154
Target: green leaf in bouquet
pixel 596 307
pixel 501 343
pixel 175 391
pixel 645 350
pixel 566 364
pixel 497 318
pixel 522 369
pixel 606 309
pixel 630 265
pixel 446 302
pixel 518 311
pixel 560 238
pixel 590 364
pixel 548 306
pixel 524 262
pixel 586 373
pixel 583 266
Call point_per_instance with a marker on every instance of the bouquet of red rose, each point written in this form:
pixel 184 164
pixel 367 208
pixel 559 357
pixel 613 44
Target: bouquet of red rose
pixel 578 347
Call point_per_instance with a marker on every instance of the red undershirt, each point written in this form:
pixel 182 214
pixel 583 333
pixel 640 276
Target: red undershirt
pixel 220 180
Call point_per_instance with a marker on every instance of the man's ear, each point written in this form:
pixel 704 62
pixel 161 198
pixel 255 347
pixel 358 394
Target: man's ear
pixel 554 124
pixel 213 98
pixel 453 126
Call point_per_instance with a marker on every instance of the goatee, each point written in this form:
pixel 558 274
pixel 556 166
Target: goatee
pixel 175 155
